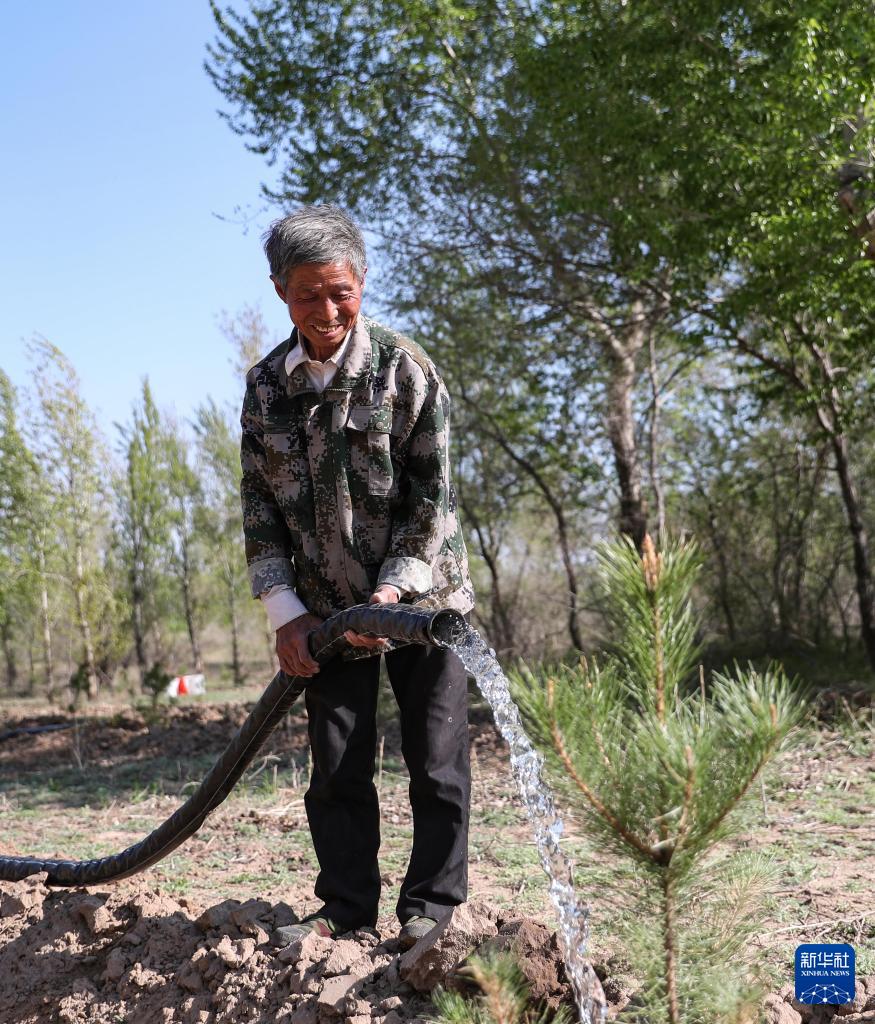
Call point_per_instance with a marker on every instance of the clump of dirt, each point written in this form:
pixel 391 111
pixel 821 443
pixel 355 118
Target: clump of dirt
pixel 782 1008
pixel 89 957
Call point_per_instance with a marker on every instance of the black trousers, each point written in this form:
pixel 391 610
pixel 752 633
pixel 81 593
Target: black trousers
pixel 430 686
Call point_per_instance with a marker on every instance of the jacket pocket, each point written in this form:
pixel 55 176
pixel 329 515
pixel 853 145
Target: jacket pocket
pixel 369 437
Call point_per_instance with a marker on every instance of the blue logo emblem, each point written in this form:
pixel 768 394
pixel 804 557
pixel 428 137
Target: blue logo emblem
pixel 825 973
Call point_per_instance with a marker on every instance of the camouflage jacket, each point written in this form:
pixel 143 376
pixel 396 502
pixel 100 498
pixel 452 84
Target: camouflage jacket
pixel 349 489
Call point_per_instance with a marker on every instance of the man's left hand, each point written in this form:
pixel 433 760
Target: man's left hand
pixel 385 594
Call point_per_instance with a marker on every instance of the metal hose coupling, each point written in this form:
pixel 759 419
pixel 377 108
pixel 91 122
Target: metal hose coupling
pixel 404 623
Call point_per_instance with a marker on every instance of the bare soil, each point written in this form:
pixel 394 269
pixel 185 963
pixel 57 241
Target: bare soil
pixel 136 952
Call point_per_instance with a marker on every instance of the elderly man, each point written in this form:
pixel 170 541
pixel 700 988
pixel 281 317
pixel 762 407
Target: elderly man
pixel 346 499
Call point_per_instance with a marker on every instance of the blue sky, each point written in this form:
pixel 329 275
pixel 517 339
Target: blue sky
pixel 123 203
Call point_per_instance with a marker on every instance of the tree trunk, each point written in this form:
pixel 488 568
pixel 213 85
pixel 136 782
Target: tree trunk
pixel 137 622
pixel 620 425
pixel 9 653
pixel 781 541
pixel 831 421
pixel 48 653
pixel 722 565
pixel 236 667
pixel 860 542
pixel 501 629
pixel 85 624
pixel 189 606
pixel 31 678
pixel 669 945
pixel 655 454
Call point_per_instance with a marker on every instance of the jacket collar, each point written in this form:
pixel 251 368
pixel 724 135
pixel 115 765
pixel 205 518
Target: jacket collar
pixel 354 376
pixel 298 353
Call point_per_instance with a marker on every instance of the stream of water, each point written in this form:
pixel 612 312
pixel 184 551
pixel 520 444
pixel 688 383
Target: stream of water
pixel 526 764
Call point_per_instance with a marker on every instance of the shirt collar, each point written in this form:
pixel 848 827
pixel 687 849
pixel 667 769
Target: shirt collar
pixel 299 353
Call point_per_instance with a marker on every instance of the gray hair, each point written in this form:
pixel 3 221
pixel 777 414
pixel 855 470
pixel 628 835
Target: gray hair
pixel 314 234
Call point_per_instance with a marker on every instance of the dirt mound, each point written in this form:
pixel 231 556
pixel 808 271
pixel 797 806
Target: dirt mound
pixel 87 957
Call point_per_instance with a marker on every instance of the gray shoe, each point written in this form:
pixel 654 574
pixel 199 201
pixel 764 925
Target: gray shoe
pixel 414 930
pixel 316 923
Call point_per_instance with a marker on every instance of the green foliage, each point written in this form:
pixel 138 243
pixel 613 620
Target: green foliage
pixel 187 552
pixel 144 520
pixel 155 680
pixel 78 681
pixel 657 768
pixel 562 188
pixel 219 519
pixel 74 483
pixel 654 619
pixel 17 478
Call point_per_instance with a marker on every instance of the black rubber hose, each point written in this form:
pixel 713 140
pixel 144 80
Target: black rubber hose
pixel 404 623
pixel 35 730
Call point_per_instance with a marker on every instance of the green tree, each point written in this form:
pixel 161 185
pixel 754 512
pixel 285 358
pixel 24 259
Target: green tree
pixel 16 473
pixel 795 131
pixel 439 139
pixel 144 522
pixel 74 462
pixel 657 773
pixel 247 334
pixel 518 457
pixel 44 565
pixel 184 498
pixel 220 520
pixel 626 180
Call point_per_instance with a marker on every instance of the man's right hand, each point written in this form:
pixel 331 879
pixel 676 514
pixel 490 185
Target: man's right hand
pixel 291 646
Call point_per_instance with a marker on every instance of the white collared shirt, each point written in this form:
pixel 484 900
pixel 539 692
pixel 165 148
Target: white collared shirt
pixel 318 373
pixel 281 602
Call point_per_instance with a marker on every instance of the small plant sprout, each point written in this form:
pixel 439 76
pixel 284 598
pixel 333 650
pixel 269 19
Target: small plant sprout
pixel 502 996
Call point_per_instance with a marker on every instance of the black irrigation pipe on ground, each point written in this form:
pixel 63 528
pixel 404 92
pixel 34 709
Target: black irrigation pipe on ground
pixel 35 730
pixel 401 623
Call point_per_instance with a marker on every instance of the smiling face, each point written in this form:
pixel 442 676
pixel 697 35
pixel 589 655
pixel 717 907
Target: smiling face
pixel 323 301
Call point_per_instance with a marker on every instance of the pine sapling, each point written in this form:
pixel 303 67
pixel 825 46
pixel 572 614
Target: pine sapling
pixel 656 766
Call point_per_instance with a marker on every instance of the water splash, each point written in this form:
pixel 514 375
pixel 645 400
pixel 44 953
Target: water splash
pixel 526 764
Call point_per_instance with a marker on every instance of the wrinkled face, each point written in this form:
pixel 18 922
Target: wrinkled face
pixel 323 301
